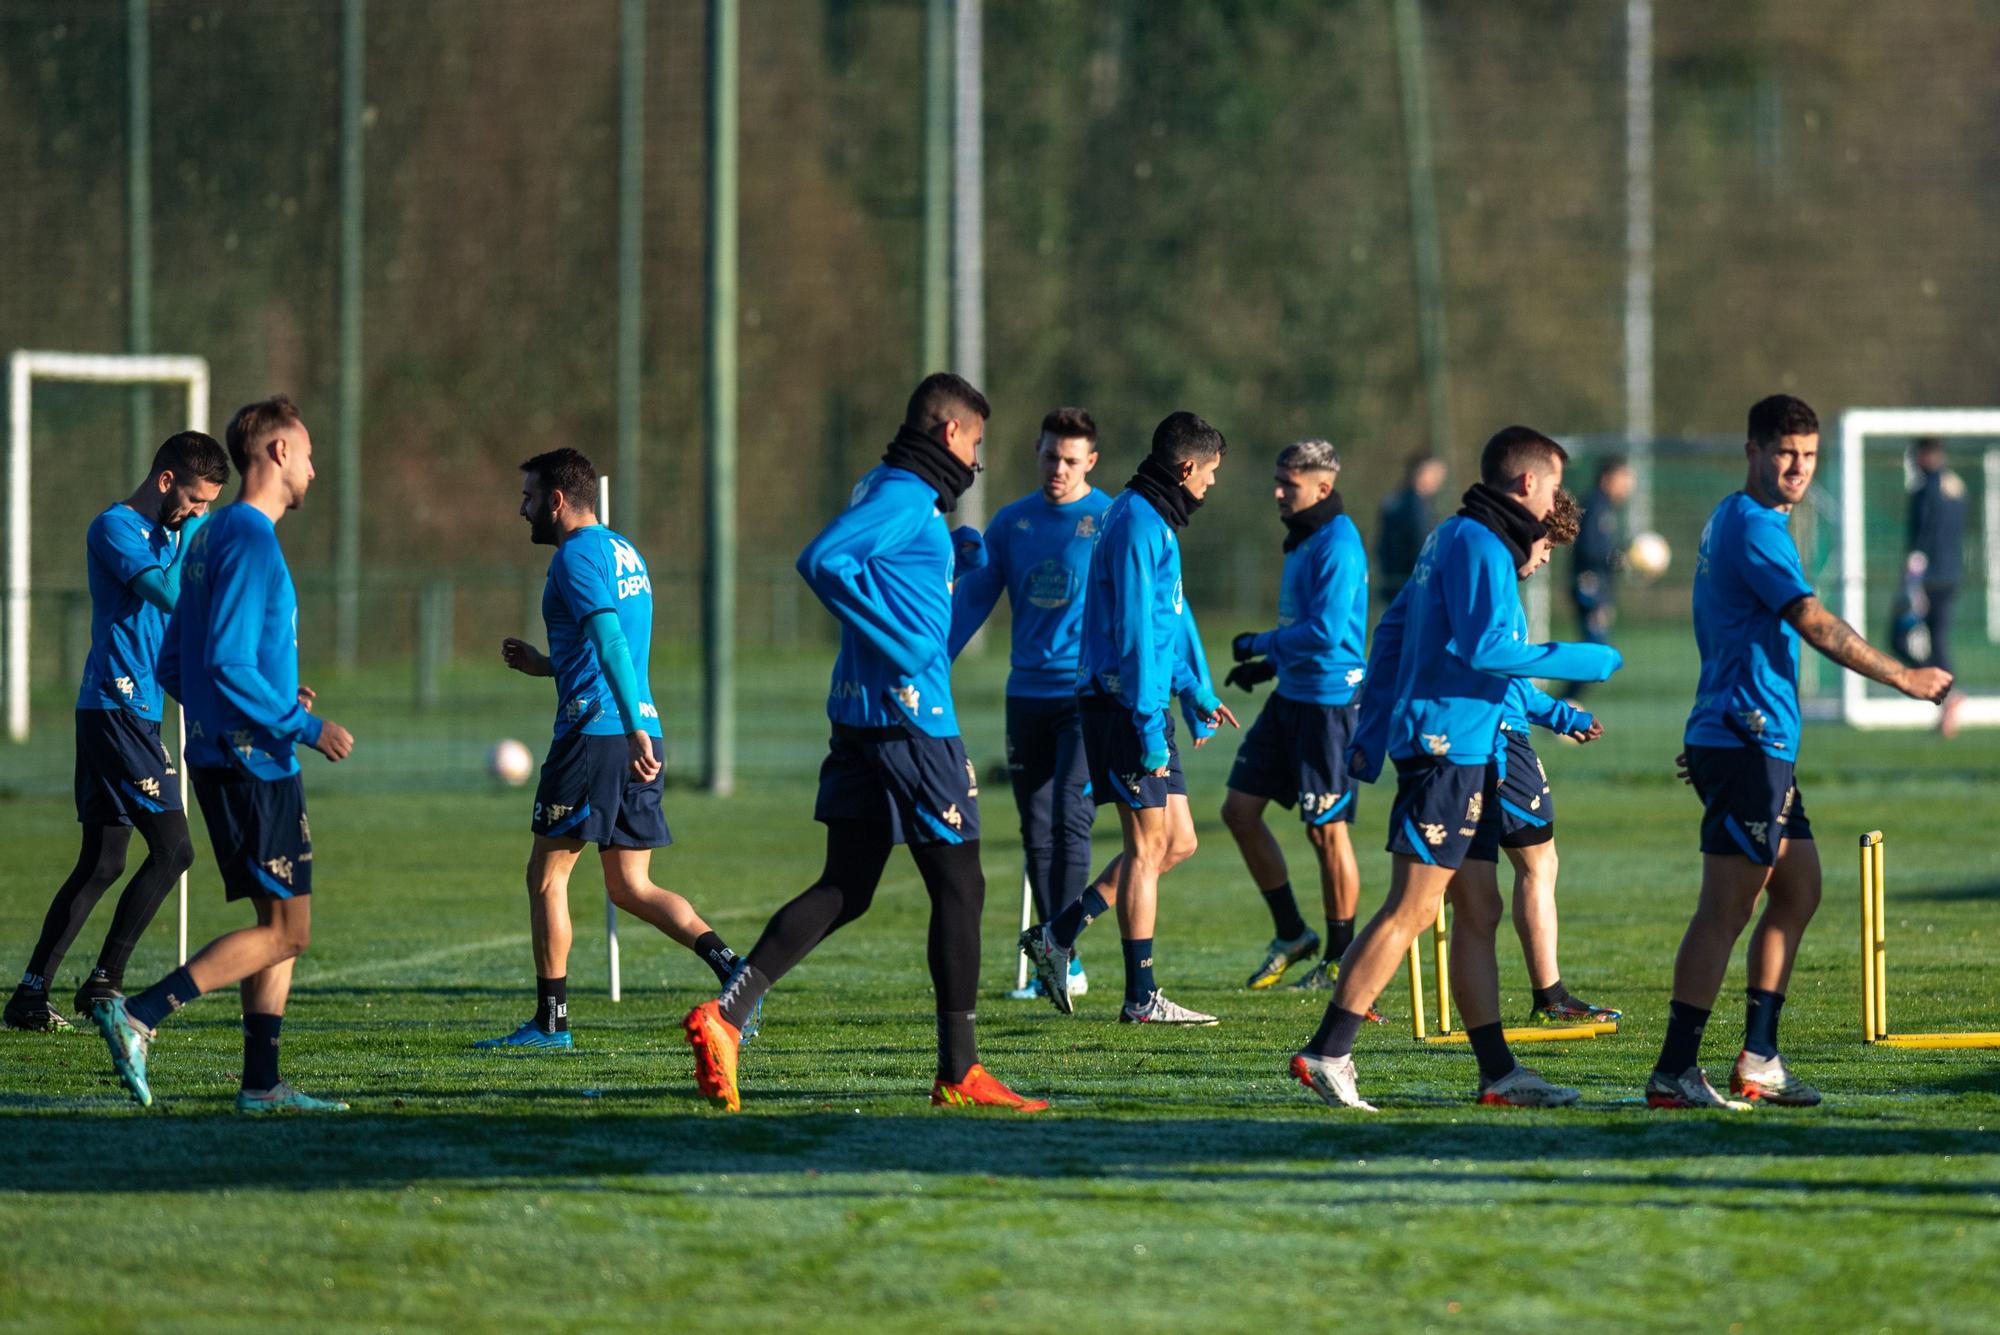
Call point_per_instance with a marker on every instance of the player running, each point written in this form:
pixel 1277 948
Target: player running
pixel 602 778
pixel 896 772
pixel 125 780
pixel 1752 605
pixel 1296 751
pixel 1433 702
pixel 1038 551
pixel 231 657
pixel 1140 648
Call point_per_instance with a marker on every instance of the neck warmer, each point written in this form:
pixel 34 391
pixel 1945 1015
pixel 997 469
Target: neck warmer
pixel 1163 491
pixel 1507 517
pixel 1304 523
pixel 917 453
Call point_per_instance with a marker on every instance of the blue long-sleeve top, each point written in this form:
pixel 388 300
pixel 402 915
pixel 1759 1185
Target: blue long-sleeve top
pixel 597 605
pixel 231 654
pixel 883 567
pixel 1528 704
pixel 133 568
pixel 1444 653
pixel 1140 644
pixel 1319 644
pixel 1038 554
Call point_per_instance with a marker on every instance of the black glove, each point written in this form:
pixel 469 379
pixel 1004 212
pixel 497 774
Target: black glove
pixel 1250 675
pixel 1240 646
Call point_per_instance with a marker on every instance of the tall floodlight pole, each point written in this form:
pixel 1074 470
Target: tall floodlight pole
pixel 934 332
pixel 139 222
pixel 718 604
pixel 1639 257
pixel 1425 242
pixel 969 228
pixel 347 531
pixel 631 220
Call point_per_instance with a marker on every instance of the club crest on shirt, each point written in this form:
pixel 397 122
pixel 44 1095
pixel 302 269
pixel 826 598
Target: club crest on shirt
pixel 1086 527
pixel 1437 743
pixel 1433 834
pixel 1025 524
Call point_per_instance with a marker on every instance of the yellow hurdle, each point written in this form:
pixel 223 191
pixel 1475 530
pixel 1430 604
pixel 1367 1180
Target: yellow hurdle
pixel 1875 964
pixel 1441 948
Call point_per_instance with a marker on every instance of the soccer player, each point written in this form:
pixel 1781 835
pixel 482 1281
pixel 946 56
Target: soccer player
pixel 601 781
pixel 231 657
pixel 1140 648
pixel 1406 520
pixel 1297 748
pixel 125 779
pixel 1038 551
pixel 1433 702
pixel 1935 554
pixel 896 771
pixel 1752 605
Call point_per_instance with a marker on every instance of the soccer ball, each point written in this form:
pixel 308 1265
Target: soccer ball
pixel 1649 555
pixel 510 762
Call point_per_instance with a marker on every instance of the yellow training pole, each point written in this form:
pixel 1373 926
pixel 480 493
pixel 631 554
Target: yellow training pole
pixel 1881 939
pixel 1442 941
pixel 1416 988
pixel 1868 1034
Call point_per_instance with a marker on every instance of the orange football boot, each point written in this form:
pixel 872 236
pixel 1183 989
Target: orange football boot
pixel 980 1089
pixel 715 1042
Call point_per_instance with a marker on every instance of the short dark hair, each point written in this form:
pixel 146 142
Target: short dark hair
pixel 567 471
pixel 1514 450
pixel 191 454
pixel 942 396
pixel 1070 424
pixel 1924 443
pixel 1416 464
pixel 1781 415
pixel 1611 463
pixel 254 422
pixel 1183 437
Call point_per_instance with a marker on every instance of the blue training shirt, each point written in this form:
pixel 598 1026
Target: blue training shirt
pixel 1040 554
pixel 1528 704
pixel 231 653
pixel 1319 645
pixel 883 567
pixel 126 630
pixel 1139 641
pixel 596 570
pixel 1747 573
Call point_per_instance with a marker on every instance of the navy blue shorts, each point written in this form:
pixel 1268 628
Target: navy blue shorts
pixel 122 767
pixel 1298 753
pixel 1111 745
pixel 258 828
pixel 1527 807
pixel 1445 814
pixel 1749 801
pixel 922 787
pixel 587 792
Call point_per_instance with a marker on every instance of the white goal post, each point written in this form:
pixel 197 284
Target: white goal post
pixel 23 370
pixel 1857 427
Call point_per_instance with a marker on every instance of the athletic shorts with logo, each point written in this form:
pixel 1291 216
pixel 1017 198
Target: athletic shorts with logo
pixel 1297 753
pixel 258 828
pixel 1111 745
pixel 1750 800
pixel 1527 807
pixel 1445 814
pixel 122 768
pixel 922 787
pixel 587 792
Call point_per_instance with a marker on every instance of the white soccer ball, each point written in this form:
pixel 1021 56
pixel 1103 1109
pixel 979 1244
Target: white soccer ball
pixel 510 762
pixel 1649 555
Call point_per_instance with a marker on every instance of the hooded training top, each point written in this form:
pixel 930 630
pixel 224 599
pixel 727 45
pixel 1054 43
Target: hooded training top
pixel 883 567
pixel 126 630
pixel 1319 645
pixel 596 570
pixel 1139 641
pixel 1040 554
pixel 1747 573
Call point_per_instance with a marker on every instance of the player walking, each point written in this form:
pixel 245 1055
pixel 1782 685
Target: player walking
pixel 125 779
pixel 1038 551
pixel 1432 703
pixel 231 656
pixel 1140 648
pixel 896 772
pixel 602 779
pixel 1752 605
pixel 1296 751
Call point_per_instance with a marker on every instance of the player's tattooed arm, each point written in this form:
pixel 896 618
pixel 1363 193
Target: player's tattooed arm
pixel 1824 631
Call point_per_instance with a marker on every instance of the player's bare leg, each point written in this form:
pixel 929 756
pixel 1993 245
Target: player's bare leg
pixel 628 879
pixel 283 930
pixel 1730 886
pixel 1535 910
pixel 1474 896
pixel 1157 839
pixel 550 862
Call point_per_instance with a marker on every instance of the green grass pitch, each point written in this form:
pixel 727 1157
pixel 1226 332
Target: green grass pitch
pixel 1182 1180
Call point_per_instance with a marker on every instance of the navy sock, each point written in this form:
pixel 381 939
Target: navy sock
pixel 1683 1046
pixel 1489 1046
pixel 1069 924
pixel 1139 983
pixel 1760 1022
pixel 715 955
pixel 1554 994
pixel 260 1051
pixel 1336 1034
pixel 163 998
pixel 1339 936
pixel 1285 919
pixel 552 1004
pixel 958 1048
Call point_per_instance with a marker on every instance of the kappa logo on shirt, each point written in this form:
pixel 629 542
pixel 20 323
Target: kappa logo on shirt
pixel 280 868
pixel 1760 830
pixel 1437 743
pixel 125 686
pixel 150 786
pixel 1354 676
pixel 951 817
pixel 1025 524
pixel 909 697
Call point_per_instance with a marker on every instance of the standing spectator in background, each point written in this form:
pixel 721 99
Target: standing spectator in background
pixel 1599 544
pixel 1936 556
pixel 1406 521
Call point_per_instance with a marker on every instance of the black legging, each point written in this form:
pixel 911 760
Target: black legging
pixel 169 852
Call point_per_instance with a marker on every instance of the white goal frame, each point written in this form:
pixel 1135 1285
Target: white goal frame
pixel 1857 425
pixel 23 370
